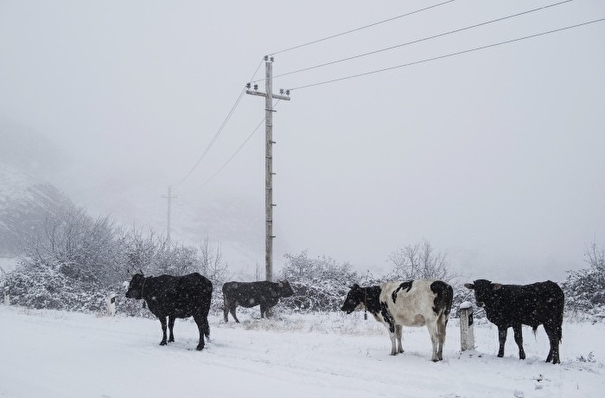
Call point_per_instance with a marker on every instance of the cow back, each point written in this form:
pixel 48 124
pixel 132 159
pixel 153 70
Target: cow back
pixel 250 294
pixel 180 296
pixel 531 305
pixel 412 303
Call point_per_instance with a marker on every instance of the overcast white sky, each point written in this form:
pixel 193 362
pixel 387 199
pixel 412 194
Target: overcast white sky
pixel 494 156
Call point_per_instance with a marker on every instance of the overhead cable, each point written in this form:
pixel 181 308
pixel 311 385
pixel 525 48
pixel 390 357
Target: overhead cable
pixel 448 55
pixel 423 39
pixel 361 28
pixel 220 130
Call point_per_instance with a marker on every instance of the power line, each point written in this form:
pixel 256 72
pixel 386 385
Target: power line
pixel 447 55
pixel 234 154
pixel 237 151
pixel 423 39
pixel 221 128
pixel 361 28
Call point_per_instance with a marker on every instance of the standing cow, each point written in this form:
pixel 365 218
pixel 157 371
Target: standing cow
pixel 423 302
pixel 515 305
pixel 175 297
pixel 248 294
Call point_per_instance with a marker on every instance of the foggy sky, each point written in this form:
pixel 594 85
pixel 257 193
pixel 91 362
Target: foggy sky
pixel 494 156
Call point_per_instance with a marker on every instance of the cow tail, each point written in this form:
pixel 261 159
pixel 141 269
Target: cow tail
pixel 444 297
pixel 207 329
pixel 559 327
pixel 449 299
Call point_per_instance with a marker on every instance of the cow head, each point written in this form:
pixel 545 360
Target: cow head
pixel 355 298
pixel 484 290
pixel 285 290
pixel 135 289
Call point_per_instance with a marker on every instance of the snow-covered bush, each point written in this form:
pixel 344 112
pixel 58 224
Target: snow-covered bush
pixel 319 284
pixel 585 289
pixel 44 286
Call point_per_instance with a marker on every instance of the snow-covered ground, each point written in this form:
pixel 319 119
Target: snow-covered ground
pixel 50 354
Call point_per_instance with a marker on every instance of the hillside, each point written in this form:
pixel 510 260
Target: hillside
pixel 24 202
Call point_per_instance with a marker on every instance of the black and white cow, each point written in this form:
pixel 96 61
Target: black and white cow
pixel 175 297
pixel 422 302
pixel 515 305
pixel 249 294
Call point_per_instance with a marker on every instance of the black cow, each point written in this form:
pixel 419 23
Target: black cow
pixel 175 297
pixel 248 294
pixel 515 305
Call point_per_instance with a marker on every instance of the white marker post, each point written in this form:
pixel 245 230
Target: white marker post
pixel 467 335
pixel 111 304
pixel 7 297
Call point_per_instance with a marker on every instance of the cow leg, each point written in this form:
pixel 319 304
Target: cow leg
pixel 163 322
pixel 434 340
pixel 203 328
pixel 232 307
pixel 398 334
pixel 393 337
pixel 502 331
pixel 441 330
pixel 265 310
pixel 519 339
pixel 226 310
pixel 553 337
pixel 171 319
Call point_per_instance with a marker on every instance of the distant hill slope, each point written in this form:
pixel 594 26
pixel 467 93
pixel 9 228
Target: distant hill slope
pixel 24 202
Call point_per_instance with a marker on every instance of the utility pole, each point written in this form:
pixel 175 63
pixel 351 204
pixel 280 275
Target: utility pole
pixel 269 96
pixel 169 197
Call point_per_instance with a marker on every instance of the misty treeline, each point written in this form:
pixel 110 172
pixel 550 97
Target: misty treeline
pixel 321 283
pixel 72 261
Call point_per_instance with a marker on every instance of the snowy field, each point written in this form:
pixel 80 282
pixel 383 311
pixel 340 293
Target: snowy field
pixel 50 354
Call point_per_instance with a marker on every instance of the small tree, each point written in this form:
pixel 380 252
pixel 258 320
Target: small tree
pixel 585 289
pixel 213 268
pixel 420 261
pixel 83 248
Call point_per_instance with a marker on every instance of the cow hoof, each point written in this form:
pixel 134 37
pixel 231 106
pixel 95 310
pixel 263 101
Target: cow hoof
pixel 199 348
pixel 162 343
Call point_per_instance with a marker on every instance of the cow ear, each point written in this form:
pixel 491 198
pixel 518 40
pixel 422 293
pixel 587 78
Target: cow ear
pixel 469 286
pixel 496 286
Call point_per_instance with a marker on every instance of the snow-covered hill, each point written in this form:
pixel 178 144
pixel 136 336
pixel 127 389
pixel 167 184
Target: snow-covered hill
pixel 58 354
pixel 25 200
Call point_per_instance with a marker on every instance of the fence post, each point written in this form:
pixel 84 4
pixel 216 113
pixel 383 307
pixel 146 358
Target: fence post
pixel 7 297
pixel 111 304
pixel 467 335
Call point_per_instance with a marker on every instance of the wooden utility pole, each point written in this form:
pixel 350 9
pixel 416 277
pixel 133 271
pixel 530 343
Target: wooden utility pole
pixel 169 197
pixel 269 96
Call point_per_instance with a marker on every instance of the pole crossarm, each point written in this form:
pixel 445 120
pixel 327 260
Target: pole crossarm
pixel 275 96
